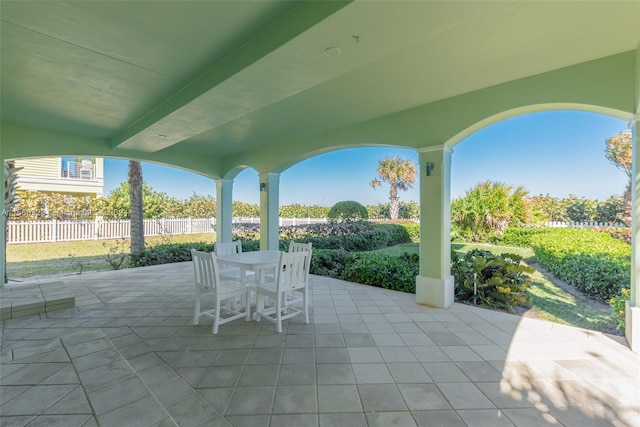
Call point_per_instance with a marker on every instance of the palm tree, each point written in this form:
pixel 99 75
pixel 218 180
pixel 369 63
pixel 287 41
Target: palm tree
pixel 10 200
pixel 137 212
pixel 400 174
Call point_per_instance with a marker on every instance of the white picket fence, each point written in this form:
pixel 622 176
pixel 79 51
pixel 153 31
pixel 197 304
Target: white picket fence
pixel 58 231
pixel 592 224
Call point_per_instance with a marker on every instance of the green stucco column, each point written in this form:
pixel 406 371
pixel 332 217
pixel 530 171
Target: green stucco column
pixel 224 209
pixel 269 211
pixel 434 285
pixel 2 227
pixel 632 314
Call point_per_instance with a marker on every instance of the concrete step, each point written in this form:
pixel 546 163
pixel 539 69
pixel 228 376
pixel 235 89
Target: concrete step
pixel 25 300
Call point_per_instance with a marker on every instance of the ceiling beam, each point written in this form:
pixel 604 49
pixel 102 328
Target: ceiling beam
pixel 150 135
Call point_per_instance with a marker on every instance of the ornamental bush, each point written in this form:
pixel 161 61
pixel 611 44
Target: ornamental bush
pixel 330 262
pixel 595 263
pixel 347 211
pixel 498 281
pixel 384 271
pixel 168 253
pixel 361 236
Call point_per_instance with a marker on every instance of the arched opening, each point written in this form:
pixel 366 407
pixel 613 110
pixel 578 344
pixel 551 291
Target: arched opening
pixel 558 158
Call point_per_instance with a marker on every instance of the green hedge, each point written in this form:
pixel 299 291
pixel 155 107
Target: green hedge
pixel 595 263
pixel 344 237
pixel 330 262
pixel 521 236
pixel 168 253
pixel 412 229
pixel 385 271
pixel 354 237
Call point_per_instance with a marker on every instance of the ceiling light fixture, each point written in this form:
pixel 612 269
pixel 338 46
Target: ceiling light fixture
pixel 332 51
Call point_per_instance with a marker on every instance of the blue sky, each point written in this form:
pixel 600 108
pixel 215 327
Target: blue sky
pixel 556 153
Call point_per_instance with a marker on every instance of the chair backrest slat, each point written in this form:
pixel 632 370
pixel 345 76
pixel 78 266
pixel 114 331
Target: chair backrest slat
pixel 205 267
pixel 228 248
pixel 299 247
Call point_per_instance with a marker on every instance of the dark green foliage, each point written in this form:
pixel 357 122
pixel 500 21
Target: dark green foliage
pixel 520 236
pixel 496 281
pixel 595 263
pixel 347 211
pixel 359 236
pixel 330 262
pixel 168 253
pixel 253 245
pixel 413 230
pixel 385 271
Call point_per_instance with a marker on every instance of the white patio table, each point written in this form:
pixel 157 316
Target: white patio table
pixel 258 261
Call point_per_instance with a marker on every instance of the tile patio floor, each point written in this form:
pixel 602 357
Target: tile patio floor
pixel 127 355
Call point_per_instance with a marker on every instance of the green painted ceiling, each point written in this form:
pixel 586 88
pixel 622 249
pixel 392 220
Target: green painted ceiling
pixel 216 85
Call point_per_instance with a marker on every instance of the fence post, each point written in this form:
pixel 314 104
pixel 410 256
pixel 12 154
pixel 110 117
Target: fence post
pixel 54 231
pixel 190 226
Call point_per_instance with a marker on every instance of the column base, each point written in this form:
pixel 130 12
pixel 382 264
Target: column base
pixel 435 291
pixel 632 327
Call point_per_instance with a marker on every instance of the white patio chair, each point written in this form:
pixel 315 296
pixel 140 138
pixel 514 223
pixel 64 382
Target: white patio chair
pixel 228 271
pixel 299 247
pixel 225 292
pixel 292 274
pixel 293 248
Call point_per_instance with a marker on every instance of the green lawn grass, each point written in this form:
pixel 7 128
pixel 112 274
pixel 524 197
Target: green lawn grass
pixel 41 259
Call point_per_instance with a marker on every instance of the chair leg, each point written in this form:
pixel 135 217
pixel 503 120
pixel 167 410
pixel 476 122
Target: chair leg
pixel 278 303
pixel 305 303
pixel 259 306
pixel 247 306
pixel 196 310
pixel 216 320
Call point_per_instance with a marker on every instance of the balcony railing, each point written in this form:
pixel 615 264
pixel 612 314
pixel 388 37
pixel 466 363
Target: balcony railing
pixel 78 170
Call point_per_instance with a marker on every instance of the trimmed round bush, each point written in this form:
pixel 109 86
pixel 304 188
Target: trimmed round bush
pixel 347 211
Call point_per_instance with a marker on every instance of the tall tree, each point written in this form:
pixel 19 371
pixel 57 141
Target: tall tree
pixel 400 174
pixel 618 151
pixel 137 211
pixel 10 200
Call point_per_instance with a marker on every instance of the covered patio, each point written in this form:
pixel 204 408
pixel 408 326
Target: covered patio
pixel 218 86
pixel 127 354
pixel 215 87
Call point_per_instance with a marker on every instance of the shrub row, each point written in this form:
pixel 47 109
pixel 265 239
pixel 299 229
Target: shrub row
pixel 595 263
pixel 346 237
pixel 167 253
pixel 369 268
pixel 359 236
pixel 521 236
pixel 397 273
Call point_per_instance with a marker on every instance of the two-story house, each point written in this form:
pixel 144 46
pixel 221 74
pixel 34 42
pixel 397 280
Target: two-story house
pixel 76 176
